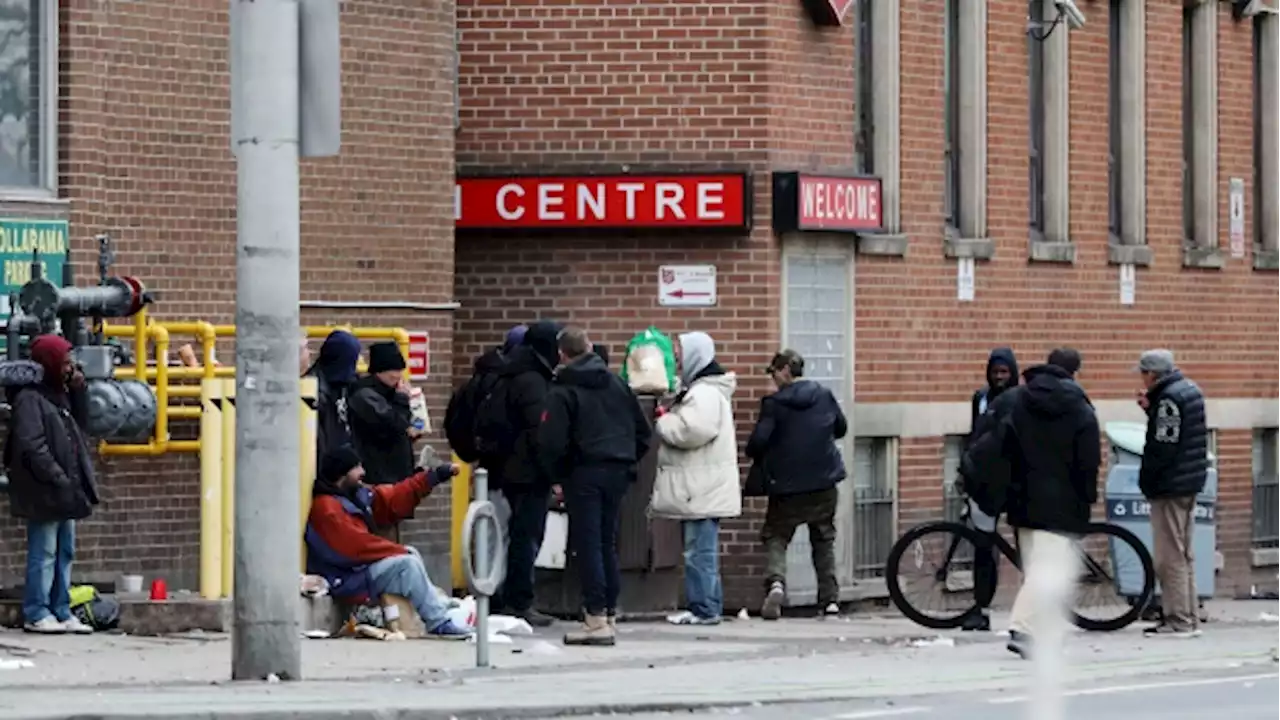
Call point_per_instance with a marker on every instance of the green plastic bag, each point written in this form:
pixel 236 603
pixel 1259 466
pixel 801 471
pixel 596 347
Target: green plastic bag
pixel 650 363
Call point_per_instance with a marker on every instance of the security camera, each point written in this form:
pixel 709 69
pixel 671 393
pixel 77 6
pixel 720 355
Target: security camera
pixel 1069 11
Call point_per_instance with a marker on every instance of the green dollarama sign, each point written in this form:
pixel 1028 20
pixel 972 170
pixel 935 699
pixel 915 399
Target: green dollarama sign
pixel 18 239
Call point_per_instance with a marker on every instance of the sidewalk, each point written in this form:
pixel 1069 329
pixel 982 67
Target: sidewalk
pixel 653 667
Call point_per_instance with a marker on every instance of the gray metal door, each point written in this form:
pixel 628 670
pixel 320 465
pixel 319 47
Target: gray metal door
pixel 818 323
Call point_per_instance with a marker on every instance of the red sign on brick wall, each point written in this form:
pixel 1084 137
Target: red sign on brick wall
pixel 828 12
pixel 826 203
pixel 603 201
pixel 419 355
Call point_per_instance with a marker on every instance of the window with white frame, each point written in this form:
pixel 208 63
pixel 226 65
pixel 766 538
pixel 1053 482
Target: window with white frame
pixel 875 482
pixel 1266 139
pixel 28 96
pixel 1188 125
pixel 1114 138
pixel 864 144
pixel 1200 134
pixel 1266 499
pixel 951 116
pixel 1035 101
pixel 952 494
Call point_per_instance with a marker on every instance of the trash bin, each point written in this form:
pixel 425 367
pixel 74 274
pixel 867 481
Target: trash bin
pixel 1127 508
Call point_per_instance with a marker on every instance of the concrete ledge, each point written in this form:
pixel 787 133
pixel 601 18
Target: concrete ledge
pixel 888 245
pixel 1129 254
pixel 1266 259
pixel 1053 252
pixel 139 616
pixel 976 248
pixel 1204 258
pixel 1268 557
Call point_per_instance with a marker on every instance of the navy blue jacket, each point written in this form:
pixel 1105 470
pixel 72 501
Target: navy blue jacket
pixel 795 439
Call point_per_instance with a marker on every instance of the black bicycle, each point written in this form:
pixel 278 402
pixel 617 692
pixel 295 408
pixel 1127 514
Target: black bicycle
pixel 1114 563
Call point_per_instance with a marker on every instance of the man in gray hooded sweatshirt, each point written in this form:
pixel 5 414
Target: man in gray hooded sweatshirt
pixel 697 478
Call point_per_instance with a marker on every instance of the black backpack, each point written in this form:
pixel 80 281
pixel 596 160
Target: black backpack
pixel 475 422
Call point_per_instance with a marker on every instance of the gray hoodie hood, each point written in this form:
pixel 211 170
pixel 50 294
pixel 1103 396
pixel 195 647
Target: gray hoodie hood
pixel 697 350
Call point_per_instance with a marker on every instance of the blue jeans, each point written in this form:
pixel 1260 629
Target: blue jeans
pixel 406 576
pixel 51 548
pixel 702 589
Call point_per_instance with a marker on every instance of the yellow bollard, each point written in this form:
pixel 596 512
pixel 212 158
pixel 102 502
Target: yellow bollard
pixel 211 490
pixel 306 457
pixel 228 485
pixel 459 503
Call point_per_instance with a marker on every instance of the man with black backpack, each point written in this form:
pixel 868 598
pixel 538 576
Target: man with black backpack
pixel 507 413
pixel 460 415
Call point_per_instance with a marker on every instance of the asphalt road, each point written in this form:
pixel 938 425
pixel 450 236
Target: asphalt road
pixel 1251 696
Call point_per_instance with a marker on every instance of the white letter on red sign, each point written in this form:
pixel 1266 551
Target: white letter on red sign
pixel 710 194
pixel 506 213
pixel 630 190
pixel 457 202
pixel 594 201
pixel 546 201
pixel 668 197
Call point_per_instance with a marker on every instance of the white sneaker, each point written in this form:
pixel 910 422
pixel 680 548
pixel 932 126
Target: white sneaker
pixel 76 627
pixel 687 618
pixel 832 610
pixel 46 625
pixel 772 608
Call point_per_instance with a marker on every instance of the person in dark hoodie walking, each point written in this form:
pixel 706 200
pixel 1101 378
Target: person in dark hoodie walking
pixel 794 448
pixel 335 372
pixel 982 479
pixel 507 422
pixel 382 430
pixel 592 436
pixel 1054 450
pixel 51 478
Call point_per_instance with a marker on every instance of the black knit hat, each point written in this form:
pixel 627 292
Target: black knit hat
pixel 385 356
pixel 336 463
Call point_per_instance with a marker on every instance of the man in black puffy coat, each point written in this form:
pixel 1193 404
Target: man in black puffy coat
pixel 1175 464
pixel 793 446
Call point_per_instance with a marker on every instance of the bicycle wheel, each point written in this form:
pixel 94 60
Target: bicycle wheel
pixel 950 577
pixel 1117 579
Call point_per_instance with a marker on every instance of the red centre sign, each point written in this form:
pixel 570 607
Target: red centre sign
pixel 826 203
pixel 603 201
pixel 419 355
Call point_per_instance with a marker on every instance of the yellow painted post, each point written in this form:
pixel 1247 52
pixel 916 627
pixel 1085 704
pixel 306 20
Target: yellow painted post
pixel 306 457
pixel 228 485
pixel 459 503
pixel 211 489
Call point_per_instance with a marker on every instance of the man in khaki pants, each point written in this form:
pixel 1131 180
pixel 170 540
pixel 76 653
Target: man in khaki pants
pixel 1175 462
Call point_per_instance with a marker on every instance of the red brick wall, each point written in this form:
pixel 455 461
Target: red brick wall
pixel 145 155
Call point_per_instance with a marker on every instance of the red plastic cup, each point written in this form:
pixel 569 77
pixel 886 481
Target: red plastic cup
pixel 159 590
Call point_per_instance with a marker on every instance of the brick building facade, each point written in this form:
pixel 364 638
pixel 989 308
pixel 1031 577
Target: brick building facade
pixel 1048 202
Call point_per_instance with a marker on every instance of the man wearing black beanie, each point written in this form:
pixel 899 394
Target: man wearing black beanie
pixel 382 431
pixel 358 564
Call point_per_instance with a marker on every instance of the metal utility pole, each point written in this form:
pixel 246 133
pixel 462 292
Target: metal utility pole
pixel 286 101
pixel 264 84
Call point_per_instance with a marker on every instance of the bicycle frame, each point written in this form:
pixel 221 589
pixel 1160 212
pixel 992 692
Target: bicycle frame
pixel 1093 571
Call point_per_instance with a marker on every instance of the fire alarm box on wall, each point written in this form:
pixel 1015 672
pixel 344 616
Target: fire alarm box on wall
pixel 828 12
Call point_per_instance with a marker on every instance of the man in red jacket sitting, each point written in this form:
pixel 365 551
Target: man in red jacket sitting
pixel 343 549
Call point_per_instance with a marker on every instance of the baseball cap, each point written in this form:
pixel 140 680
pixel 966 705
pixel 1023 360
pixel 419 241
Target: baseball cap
pixel 1158 361
pixel 786 358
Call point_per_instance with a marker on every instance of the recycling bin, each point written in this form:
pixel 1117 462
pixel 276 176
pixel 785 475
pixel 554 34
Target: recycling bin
pixel 1127 508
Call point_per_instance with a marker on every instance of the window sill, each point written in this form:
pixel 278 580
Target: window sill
pixel 1053 252
pixel 976 248
pixel 883 244
pixel 1206 258
pixel 1265 259
pixel 1266 557
pixel 19 197
pixel 1118 254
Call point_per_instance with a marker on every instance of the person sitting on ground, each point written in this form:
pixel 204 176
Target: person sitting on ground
pixel 342 546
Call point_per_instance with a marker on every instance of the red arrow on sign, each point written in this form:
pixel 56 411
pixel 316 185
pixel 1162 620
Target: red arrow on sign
pixel 686 293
